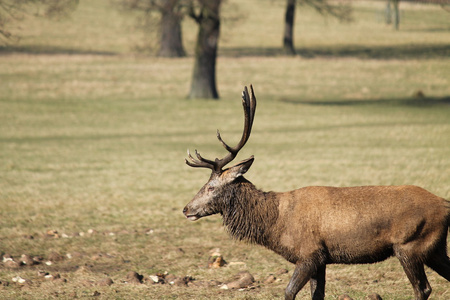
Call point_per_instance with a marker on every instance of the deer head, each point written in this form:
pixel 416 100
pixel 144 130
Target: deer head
pixel 207 200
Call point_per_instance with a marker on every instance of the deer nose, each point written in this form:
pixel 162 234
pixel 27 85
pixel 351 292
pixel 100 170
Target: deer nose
pixel 185 210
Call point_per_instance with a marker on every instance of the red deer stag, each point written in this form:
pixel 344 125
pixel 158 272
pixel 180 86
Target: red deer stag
pixel 315 226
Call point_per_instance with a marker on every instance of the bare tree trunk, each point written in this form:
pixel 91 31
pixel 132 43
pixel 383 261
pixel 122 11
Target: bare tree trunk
pixel 388 12
pixel 396 14
pixel 204 76
pixel 171 44
pixel 289 17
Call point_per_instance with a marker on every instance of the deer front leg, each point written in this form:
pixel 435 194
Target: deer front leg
pixel 302 274
pixel 317 283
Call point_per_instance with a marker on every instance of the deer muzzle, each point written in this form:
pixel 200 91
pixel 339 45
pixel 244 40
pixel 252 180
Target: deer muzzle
pixel 189 215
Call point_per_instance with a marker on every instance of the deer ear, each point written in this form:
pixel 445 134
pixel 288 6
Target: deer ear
pixel 239 169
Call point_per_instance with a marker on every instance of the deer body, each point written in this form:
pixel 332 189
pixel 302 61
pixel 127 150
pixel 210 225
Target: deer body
pixel 315 226
pixel 339 225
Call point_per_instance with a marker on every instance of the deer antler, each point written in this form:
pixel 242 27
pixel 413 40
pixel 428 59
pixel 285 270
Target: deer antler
pixel 249 104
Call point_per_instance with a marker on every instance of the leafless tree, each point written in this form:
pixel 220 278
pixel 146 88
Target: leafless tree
pixel 445 4
pixel 164 17
pixel 15 10
pixel 206 14
pixel 395 4
pixel 340 10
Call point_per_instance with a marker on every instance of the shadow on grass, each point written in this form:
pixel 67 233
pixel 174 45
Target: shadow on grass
pixel 59 138
pixel 430 29
pixel 49 50
pixel 412 102
pixel 411 51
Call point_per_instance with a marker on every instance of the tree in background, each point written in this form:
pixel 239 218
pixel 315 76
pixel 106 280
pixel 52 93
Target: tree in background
pixel 288 36
pixel 206 14
pixel 396 13
pixel 14 10
pixel 445 4
pixel 166 16
pixel 340 10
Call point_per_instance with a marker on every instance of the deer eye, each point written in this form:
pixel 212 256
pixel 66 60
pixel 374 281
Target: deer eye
pixel 210 188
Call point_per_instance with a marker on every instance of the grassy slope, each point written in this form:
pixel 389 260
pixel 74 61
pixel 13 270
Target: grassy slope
pixel 93 137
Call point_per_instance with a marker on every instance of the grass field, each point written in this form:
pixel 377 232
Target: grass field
pixel 93 137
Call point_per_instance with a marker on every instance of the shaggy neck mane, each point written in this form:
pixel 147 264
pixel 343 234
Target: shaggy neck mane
pixel 248 213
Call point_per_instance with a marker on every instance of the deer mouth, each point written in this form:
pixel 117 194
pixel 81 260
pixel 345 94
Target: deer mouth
pixel 192 217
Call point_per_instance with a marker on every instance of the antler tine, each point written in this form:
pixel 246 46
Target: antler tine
pixel 204 159
pixel 200 162
pixel 249 105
